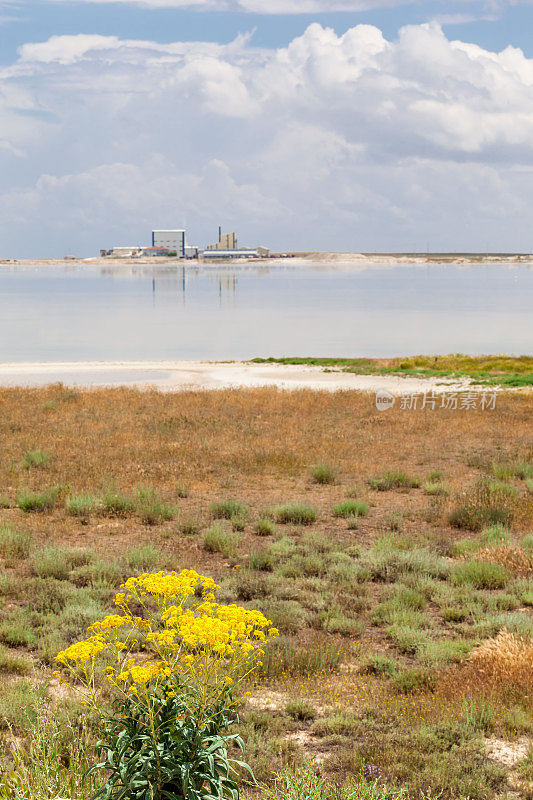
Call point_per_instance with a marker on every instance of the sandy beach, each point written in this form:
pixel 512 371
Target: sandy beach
pixel 175 376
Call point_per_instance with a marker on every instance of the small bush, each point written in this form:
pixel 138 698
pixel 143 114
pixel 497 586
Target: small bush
pixel 300 710
pixel 81 505
pixel 218 540
pixel 264 527
pixel 143 558
pixel 261 561
pixel 393 480
pixel 295 514
pixel 410 681
pixel 51 562
pixel 323 474
pixel 14 544
pixel 37 501
pixel 249 585
pixel 16 631
pixel 13 664
pixel 377 664
pixel 483 505
pixel 238 524
pixel 351 508
pixel 117 504
pixel 288 616
pixel 481 575
pixel 190 527
pixel 151 509
pixel 226 509
pixel 101 572
pixel 35 458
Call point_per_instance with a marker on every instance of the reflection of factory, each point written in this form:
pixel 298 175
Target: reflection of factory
pixel 172 243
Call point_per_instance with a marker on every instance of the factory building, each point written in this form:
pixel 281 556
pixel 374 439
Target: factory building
pixel 226 241
pixel 172 240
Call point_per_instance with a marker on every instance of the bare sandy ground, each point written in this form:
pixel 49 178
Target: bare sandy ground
pixel 175 376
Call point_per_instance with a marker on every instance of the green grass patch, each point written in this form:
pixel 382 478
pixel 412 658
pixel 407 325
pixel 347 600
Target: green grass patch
pixel 481 575
pixel 227 509
pixel 82 505
pixel 295 514
pixel 37 501
pixel 394 480
pixel 323 474
pixel 351 508
pixel 14 543
pixel 35 458
pixel 218 540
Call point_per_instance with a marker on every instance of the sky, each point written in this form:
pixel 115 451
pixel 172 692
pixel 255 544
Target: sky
pixel 356 125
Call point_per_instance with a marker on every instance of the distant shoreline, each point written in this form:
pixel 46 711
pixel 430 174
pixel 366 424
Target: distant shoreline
pixel 295 259
pixel 175 376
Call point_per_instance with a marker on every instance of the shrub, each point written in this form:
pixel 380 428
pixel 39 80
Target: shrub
pixel 14 544
pixel 238 524
pixel 323 474
pixel 442 651
pixel 101 572
pixel 483 505
pixel 81 505
pixel 378 664
pixel 393 480
pixel 151 509
pixel 300 710
pixel 142 558
pixel 117 504
pixel 218 540
pixel 296 514
pixel 13 664
pixel 16 631
pixel 35 458
pixel 190 527
pixel 37 501
pixel 410 681
pixel 481 575
pixel 226 509
pixel 350 508
pixel 264 527
pixel 51 562
pixel 261 561
pixel 286 615
pixel 342 723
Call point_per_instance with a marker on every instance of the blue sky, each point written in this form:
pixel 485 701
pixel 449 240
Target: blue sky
pixel 383 126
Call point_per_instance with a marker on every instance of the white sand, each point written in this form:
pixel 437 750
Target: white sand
pixel 180 375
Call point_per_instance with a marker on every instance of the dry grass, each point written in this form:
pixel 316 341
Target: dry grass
pixel 501 663
pixel 516 560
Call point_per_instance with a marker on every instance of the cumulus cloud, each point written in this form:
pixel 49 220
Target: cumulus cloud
pixel 346 141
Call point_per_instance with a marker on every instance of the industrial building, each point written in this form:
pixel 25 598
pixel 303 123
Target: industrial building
pixel 172 240
pixel 226 241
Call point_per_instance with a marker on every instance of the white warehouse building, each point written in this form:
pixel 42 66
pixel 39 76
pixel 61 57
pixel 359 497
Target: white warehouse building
pixel 172 240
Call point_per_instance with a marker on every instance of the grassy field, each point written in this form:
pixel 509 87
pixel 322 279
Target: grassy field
pixel 393 550
pixel 486 370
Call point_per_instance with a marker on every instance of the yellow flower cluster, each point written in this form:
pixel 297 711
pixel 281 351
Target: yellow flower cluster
pixel 166 586
pixel 220 629
pixel 194 644
pixel 112 622
pixel 83 651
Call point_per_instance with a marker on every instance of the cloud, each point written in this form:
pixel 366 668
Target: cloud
pixel 285 7
pixel 348 142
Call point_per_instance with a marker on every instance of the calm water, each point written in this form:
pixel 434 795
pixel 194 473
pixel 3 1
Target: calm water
pixel 101 313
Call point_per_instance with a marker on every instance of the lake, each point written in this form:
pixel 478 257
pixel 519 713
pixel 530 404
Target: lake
pixel 101 313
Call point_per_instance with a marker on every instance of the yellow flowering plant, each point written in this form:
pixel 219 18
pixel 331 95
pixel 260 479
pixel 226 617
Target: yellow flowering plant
pixel 172 659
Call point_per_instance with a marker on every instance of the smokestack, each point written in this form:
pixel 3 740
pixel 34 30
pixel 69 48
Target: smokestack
pixel 220 233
